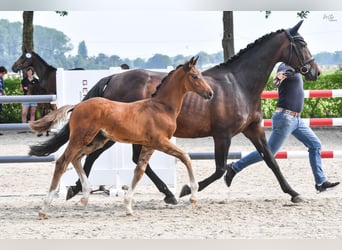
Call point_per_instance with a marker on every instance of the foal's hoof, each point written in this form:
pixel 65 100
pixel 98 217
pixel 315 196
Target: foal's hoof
pixel 171 200
pixel 42 216
pixel 84 201
pixel 193 202
pixel 186 190
pixel 297 199
pixel 72 191
pixel 130 213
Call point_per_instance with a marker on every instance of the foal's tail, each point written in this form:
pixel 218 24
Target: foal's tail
pixel 58 140
pixel 52 145
pixel 47 122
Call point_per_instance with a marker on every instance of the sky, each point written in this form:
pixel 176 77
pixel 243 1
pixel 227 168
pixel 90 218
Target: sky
pixel 143 33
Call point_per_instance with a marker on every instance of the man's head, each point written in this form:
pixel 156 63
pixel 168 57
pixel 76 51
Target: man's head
pixel 3 71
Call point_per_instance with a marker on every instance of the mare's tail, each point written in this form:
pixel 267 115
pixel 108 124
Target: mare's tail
pixel 98 89
pixel 52 145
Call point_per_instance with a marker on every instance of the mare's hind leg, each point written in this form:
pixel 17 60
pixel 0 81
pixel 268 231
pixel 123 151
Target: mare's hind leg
pixel 60 167
pixel 257 136
pixel 221 151
pixel 139 171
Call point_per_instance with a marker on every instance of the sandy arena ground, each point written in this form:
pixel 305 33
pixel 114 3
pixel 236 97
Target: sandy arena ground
pixel 253 208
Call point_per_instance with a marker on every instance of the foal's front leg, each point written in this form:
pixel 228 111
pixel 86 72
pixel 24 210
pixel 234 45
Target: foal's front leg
pixel 171 149
pixel 139 171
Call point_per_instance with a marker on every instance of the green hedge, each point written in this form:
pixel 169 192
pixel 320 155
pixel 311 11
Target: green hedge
pixel 11 112
pixel 313 107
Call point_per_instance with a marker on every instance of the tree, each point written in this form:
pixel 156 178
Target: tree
pixel 228 35
pixel 180 59
pixel 82 49
pixel 138 63
pixel 158 61
pixel 27 31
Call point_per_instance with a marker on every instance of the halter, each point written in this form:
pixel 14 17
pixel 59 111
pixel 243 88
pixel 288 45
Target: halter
pixel 305 65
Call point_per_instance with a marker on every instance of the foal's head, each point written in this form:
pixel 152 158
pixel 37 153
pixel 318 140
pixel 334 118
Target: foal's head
pixel 194 80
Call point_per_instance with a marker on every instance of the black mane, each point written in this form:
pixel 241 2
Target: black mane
pixel 164 79
pixel 249 46
pixel 39 57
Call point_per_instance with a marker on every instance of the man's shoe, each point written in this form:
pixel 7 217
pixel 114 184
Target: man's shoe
pixel 325 185
pixel 229 175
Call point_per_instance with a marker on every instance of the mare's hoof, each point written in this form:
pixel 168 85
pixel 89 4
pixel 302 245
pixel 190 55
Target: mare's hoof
pixel 170 200
pixel 186 190
pixel 72 191
pixel 297 199
pixel 42 216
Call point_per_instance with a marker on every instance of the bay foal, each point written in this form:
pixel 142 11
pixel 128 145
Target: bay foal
pixel 150 122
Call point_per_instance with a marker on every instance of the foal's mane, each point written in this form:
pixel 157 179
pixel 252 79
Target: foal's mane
pixel 46 64
pixel 249 46
pixel 164 79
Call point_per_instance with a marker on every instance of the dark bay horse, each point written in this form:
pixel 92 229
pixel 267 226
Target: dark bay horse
pixel 149 122
pixel 235 108
pixel 46 74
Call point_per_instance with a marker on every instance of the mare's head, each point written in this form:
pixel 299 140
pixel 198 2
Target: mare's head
pixel 298 55
pixel 24 61
pixel 194 80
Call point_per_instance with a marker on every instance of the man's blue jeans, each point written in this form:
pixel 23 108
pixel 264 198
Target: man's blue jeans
pixel 283 125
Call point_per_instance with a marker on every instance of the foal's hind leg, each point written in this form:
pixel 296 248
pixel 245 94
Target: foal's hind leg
pixel 89 161
pixel 139 171
pixel 60 168
pixel 86 186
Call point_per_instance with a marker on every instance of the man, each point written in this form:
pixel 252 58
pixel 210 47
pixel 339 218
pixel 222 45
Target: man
pixel 285 121
pixel 3 72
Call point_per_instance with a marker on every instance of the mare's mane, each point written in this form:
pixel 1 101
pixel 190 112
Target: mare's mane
pixel 249 46
pixel 164 79
pixel 46 64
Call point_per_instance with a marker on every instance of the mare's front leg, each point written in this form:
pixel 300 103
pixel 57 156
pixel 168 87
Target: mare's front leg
pixel 162 187
pixel 257 136
pixel 139 171
pixel 221 151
